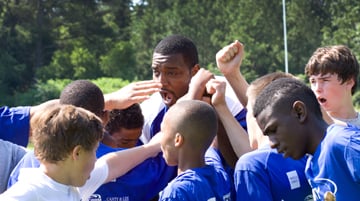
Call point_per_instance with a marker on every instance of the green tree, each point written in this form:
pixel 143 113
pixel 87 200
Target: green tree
pixel 119 61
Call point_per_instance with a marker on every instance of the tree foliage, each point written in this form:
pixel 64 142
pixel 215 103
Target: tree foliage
pixel 54 41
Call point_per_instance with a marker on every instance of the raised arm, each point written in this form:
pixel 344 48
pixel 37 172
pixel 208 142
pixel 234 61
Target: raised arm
pixel 229 60
pixel 238 137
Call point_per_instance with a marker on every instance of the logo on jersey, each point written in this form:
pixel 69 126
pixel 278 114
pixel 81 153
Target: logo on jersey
pixel 321 187
pixel 95 197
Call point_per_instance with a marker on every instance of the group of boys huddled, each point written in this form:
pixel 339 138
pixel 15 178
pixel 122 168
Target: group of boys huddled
pixel 190 135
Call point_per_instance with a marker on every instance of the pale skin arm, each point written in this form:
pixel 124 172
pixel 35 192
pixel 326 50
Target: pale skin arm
pixel 121 162
pixel 135 92
pixel 237 135
pixel 229 60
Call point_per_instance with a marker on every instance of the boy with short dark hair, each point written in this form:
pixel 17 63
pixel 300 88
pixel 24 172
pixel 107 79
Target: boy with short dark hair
pixel 125 126
pixel 188 129
pixel 261 174
pixel 288 112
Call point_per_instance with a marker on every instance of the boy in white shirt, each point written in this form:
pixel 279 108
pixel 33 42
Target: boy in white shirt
pixel 65 142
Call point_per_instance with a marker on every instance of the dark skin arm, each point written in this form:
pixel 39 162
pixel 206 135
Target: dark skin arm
pixel 225 146
pixel 198 91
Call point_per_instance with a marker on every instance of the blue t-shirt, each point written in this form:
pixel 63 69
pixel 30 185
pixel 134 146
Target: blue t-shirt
pixel 335 165
pixel 210 182
pixel 141 183
pixel 15 124
pixel 264 174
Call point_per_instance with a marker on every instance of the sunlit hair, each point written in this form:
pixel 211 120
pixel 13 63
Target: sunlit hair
pixel 260 83
pixel 59 129
pixel 128 118
pixel 177 44
pixel 282 93
pixel 337 59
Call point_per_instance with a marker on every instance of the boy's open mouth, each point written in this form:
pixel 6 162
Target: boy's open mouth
pixel 322 100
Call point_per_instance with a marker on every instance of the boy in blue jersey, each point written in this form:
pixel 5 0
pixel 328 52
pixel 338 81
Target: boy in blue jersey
pixel 288 112
pixel 258 175
pixel 125 126
pixel 144 181
pixel 188 129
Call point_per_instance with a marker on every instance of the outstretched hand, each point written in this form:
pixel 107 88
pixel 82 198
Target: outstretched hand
pixel 135 92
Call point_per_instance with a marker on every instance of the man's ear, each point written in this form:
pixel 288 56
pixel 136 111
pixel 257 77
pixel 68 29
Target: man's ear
pixel 179 140
pixel 195 69
pixel 76 152
pixel 299 110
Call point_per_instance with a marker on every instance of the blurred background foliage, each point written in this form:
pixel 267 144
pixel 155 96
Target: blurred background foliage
pixel 47 43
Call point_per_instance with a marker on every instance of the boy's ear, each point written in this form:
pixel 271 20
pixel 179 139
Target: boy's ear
pixel 350 83
pixel 299 110
pixel 178 140
pixel 76 152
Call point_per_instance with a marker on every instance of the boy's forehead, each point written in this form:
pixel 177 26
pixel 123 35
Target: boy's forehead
pixel 322 75
pixel 272 111
pixel 264 116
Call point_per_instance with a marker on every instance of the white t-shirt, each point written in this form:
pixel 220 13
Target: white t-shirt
pixel 35 185
pixel 354 122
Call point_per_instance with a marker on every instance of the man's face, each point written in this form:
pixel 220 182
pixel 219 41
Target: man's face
pixel 174 75
pixel 284 131
pixel 330 92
